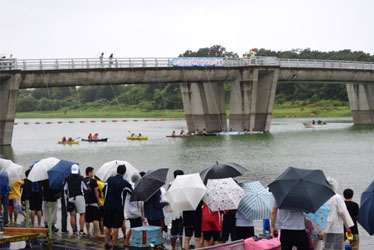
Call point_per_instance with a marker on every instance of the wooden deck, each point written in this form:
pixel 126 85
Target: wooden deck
pixel 15 234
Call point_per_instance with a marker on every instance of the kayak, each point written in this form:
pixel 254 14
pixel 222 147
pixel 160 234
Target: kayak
pixel 242 133
pixel 212 134
pixel 139 138
pixel 180 136
pixel 316 125
pixel 97 140
pixel 68 142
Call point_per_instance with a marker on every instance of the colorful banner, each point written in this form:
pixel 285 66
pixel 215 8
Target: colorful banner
pixel 198 62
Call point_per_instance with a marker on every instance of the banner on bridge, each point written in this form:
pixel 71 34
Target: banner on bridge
pixel 198 62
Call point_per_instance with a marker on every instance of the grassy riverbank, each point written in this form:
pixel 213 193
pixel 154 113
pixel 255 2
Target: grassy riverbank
pixel 298 108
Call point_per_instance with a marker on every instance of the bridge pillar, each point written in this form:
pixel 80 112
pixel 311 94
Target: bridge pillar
pixel 361 101
pixel 204 106
pixel 252 100
pixel 8 99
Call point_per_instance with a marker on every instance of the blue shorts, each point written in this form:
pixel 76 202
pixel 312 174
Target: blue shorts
pixel 17 205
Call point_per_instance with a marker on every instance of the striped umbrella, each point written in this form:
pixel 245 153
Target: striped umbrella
pixel 257 202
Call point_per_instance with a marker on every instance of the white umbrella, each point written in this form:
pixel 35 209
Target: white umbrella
pixel 14 171
pixel 39 170
pixel 186 192
pixel 109 169
pixel 223 194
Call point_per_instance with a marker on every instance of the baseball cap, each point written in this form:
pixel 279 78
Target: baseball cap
pixel 75 169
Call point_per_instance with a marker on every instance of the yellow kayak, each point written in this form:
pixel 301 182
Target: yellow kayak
pixel 140 138
pixel 68 142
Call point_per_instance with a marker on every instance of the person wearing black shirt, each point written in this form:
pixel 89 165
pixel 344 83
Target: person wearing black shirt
pixel 75 186
pixel 192 225
pixel 353 210
pixel 91 197
pixel 115 190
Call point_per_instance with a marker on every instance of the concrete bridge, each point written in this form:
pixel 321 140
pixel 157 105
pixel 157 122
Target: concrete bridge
pixel 254 82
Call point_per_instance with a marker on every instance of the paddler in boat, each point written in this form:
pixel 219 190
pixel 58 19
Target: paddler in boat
pixel 181 133
pixel 197 132
pixel 89 136
pixel 173 134
pixel 313 122
pixel 96 136
pixel 70 139
pixel 132 135
pixel 140 135
pixel 205 132
pixel 64 139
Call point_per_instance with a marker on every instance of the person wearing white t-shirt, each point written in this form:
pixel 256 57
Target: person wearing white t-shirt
pixel 291 225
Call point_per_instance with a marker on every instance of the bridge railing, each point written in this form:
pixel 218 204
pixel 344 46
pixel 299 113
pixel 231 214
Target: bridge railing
pixel 106 63
pixel 325 64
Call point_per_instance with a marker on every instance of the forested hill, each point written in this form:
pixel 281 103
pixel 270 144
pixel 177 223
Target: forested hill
pixel 167 96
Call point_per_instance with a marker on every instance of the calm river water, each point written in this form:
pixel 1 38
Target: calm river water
pixel 341 150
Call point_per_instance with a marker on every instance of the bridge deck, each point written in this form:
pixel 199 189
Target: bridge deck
pixel 96 63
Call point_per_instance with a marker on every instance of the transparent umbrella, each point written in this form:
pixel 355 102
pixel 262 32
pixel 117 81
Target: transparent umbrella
pixel 13 170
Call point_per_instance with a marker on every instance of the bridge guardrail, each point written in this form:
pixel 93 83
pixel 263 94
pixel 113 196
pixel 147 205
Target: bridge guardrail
pixel 106 63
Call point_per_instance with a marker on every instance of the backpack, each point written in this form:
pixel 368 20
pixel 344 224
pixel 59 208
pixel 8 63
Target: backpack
pixel 132 209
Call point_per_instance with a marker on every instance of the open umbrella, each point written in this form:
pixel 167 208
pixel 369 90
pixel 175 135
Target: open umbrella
pixel 223 194
pixel 149 184
pixel 13 170
pixel 320 216
pixel 109 169
pixel 301 189
pixel 58 173
pixel 366 217
pixel 222 170
pixel 257 202
pixel 186 192
pixel 39 170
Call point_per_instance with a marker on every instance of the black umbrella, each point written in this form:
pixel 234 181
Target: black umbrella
pixel 222 170
pixel 366 218
pixel 149 184
pixel 301 189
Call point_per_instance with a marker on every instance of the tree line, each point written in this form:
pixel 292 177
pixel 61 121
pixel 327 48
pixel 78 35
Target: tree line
pixel 161 96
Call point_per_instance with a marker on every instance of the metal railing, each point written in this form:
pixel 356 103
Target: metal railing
pixel 96 63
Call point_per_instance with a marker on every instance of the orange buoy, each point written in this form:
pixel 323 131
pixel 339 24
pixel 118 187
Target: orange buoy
pixel 172 119
pixel 71 121
pixel 15 123
pixel 26 123
pixel 162 119
pixel 124 120
pixel 311 114
pixel 59 122
pixel 183 119
pixel 103 120
pixel 37 123
pixel 93 121
pixel 135 120
pixel 82 121
pixel 154 119
pixel 114 120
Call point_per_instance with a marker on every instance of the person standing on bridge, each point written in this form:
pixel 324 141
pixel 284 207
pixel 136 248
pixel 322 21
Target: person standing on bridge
pixel 101 59
pixel 110 60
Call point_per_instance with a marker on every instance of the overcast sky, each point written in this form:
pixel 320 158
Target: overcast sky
pixel 166 28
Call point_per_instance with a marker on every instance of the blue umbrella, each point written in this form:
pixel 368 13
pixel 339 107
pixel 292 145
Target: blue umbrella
pixel 320 216
pixel 257 202
pixel 58 173
pixel 366 216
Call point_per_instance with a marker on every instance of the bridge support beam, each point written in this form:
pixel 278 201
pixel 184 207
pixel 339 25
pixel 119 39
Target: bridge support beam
pixel 361 101
pixel 252 100
pixel 8 100
pixel 204 106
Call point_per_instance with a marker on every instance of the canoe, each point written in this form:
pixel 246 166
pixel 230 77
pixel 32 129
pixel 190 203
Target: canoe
pixel 97 140
pixel 139 138
pixel 68 142
pixel 180 136
pixel 311 125
pixel 242 133
pixel 212 134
